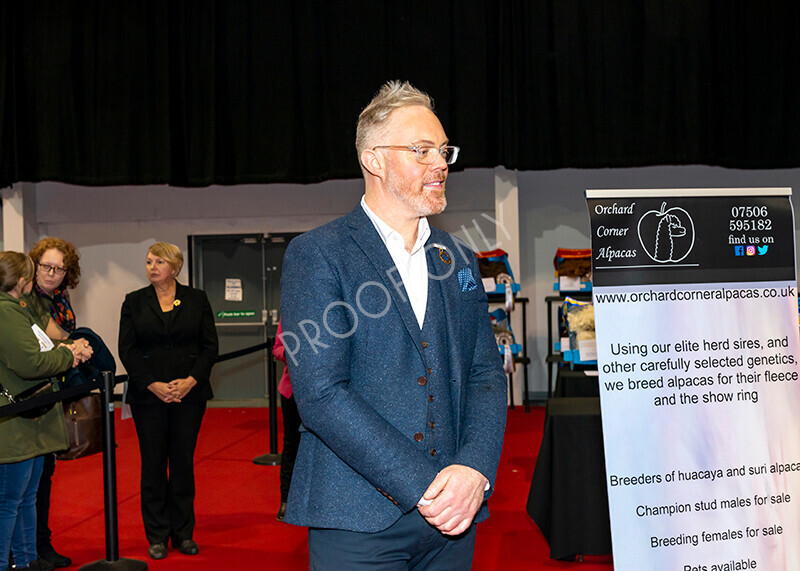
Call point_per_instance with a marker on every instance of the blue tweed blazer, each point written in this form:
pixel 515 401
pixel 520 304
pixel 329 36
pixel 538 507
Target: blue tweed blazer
pixel 355 354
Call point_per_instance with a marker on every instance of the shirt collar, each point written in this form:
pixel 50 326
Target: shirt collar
pixel 386 232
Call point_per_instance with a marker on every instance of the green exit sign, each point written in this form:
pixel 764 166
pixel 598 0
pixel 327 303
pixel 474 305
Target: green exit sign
pixel 230 314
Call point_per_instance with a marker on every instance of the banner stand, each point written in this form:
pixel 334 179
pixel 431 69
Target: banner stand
pixel 696 321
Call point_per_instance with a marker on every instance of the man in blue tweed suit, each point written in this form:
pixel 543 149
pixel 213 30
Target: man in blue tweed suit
pixel 393 363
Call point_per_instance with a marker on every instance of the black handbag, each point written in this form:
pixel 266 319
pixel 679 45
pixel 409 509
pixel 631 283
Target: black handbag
pixel 41 389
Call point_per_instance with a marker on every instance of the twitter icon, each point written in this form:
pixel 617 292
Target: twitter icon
pixel 763 249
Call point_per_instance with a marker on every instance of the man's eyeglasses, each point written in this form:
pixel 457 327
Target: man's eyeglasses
pixel 426 154
pixel 47 268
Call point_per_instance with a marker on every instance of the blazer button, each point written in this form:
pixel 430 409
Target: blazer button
pixel 424 344
pixel 433 452
pixel 422 381
pixel 418 437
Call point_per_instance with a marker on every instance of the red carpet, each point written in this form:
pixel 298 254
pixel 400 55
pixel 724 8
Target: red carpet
pixel 237 501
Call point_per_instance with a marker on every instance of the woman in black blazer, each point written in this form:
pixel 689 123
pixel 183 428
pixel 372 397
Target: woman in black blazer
pixel 168 344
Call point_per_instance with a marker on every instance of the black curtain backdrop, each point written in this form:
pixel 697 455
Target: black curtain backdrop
pixel 192 92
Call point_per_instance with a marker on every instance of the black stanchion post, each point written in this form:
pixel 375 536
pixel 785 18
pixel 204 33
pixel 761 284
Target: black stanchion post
pixel 273 458
pixel 112 560
pixel 273 410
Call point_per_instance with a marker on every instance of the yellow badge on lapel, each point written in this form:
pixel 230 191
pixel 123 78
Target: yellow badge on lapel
pixel 176 303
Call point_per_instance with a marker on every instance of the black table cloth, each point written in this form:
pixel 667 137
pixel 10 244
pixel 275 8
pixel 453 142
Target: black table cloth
pixel 576 383
pixel 568 499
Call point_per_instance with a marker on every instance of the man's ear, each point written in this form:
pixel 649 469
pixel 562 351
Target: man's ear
pixel 372 163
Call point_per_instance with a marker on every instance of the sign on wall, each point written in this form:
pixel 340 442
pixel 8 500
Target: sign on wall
pixel 696 318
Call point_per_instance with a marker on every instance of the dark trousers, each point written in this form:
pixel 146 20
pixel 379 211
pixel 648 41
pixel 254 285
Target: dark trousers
pixel 43 533
pixel 291 441
pixel 409 544
pixel 167 439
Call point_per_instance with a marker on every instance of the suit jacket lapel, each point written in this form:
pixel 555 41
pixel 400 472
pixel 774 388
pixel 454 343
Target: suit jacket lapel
pixel 180 293
pixel 151 300
pixel 366 237
pixel 440 290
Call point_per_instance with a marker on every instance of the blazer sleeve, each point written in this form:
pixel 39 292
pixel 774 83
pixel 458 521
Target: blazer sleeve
pixel 208 344
pixel 313 308
pixel 20 351
pixel 130 353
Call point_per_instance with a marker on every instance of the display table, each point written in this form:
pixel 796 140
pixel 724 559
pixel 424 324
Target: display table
pixel 568 498
pixel 576 383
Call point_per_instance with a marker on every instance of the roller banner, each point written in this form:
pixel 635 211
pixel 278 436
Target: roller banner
pixel 696 317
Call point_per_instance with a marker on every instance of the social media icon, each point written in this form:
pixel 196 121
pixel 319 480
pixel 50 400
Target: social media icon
pixel 738 250
pixel 750 251
pixel 763 249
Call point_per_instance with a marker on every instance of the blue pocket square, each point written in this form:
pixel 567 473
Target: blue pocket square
pixel 465 280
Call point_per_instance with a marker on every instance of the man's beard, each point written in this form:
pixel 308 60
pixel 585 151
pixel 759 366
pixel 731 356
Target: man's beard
pixel 422 202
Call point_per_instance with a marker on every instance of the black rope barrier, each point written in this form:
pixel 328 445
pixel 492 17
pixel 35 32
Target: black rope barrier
pixel 50 398
pixel 273 458
pixel 106 384
pixel 246 351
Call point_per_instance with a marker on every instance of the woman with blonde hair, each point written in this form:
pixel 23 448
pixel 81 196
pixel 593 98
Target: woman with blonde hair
pixel 168 344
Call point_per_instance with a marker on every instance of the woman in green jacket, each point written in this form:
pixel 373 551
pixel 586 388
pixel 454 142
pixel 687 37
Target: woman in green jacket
pixel 27 356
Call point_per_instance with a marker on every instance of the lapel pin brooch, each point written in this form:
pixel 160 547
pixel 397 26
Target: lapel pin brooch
pixel 443 255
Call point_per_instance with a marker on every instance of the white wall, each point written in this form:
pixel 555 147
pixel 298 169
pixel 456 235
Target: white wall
pixel 112 227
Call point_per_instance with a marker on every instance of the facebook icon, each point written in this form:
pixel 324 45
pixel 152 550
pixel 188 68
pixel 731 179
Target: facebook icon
pixel 738 250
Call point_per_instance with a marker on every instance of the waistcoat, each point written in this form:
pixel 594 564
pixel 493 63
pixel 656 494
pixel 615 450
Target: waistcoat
pixel 438 435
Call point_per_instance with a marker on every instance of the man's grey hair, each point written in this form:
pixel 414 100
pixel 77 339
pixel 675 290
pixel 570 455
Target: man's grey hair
pixel 392 95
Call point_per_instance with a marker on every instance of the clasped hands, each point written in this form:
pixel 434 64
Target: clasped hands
pixel 81 351
pixel 174 390
pixel 456 495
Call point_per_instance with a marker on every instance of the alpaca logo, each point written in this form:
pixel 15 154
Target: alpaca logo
pixel 667 235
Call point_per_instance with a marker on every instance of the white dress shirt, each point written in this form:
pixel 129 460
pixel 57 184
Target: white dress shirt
pixel 411 267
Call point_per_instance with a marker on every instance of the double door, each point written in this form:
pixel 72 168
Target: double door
pixel 240 273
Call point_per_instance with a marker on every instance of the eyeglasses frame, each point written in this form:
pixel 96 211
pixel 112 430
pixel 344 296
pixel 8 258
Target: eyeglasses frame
pixel 416 149
pixel 55 270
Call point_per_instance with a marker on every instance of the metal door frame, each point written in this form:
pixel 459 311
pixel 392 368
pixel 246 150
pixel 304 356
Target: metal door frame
pixel 197 272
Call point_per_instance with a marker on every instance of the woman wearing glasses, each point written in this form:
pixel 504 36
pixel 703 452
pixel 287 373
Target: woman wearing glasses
pixel 57 270
pixel 27 357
